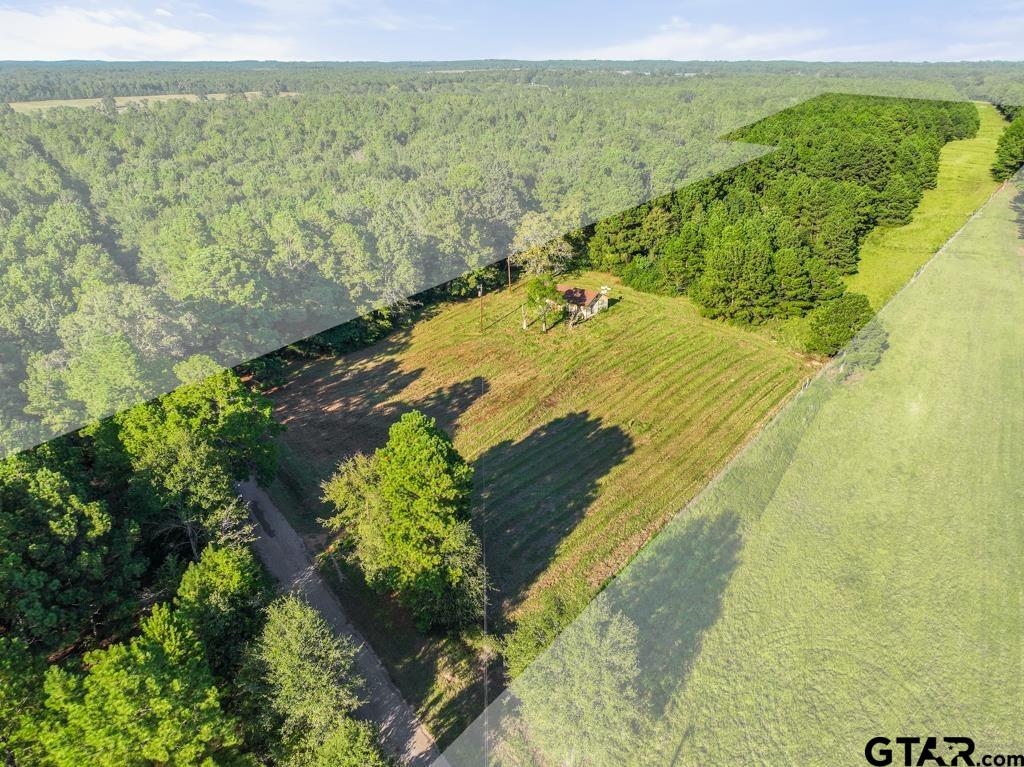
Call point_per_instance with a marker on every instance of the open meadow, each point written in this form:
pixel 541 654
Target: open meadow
pixel 854 573
pixel 584 442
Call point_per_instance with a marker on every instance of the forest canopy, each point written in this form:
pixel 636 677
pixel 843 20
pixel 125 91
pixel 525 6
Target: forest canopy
pixel 773 237
pixel 134 238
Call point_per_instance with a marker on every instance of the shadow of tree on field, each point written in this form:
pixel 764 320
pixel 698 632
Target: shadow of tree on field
pixel 336 414
pixel 345 387
pixel 338 407
pixel 533 492
pixel 605 683
pixel 673 594
pixel 1018 203
pixel 444 404
pixel 448 403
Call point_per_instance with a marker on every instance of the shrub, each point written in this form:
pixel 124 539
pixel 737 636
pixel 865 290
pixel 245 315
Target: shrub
pixel 835 322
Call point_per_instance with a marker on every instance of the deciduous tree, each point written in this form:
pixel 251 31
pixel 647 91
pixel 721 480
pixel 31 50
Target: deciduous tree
pixel 407 511
pixel 313 686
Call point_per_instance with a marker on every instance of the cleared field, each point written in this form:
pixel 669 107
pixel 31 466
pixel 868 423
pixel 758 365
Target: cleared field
pixel 584 442
pixel 121 101
pixel 874 587
pixel 889 256
pixel 856 572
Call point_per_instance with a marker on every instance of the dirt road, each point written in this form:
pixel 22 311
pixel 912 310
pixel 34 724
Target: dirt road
pixel 284 555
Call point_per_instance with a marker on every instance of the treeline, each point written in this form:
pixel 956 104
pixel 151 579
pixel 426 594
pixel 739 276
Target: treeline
pixel 136 627
pixel 32 81
pixel 23 81
pixel 1010 150
pixel 772 239
pixel 1010 111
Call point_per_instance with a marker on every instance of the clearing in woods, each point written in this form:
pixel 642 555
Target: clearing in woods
pixel 855 573
pixel 122 101
pixel 584 443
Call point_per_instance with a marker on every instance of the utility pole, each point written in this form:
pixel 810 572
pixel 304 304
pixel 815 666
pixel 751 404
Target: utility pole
pixel 480 298
pixel 508 265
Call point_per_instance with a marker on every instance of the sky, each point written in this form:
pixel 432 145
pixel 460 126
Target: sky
pixel 403 30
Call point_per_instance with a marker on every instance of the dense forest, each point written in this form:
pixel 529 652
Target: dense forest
pixel 131 239
pixel 772 238
pixel 136 626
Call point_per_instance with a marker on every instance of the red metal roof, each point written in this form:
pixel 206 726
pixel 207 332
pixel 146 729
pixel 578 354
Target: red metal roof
pixel 578 296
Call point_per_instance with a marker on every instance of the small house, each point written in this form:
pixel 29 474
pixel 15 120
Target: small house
pixel 582 303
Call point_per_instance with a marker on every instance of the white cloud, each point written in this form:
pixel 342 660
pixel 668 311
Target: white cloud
pixel 303 8
pixel 366 14
pixel 64 32
pixel 680 40
pixel 683 40
pixel 387 20
pixel 162 12
pixel 995 38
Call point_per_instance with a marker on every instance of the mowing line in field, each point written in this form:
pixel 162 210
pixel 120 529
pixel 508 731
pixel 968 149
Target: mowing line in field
pixel 644 379
pixel 855 571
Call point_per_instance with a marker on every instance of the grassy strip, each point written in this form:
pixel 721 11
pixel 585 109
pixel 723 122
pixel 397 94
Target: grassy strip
pixel 889 256
pixel 858 571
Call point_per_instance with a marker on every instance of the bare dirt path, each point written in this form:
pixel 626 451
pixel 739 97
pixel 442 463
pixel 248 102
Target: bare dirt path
pixel 285 556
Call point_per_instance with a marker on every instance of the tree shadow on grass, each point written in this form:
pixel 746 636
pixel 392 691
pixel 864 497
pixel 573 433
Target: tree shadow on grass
pixel 1018 202
pixel 533 492
pixel 673 594
pixel 332 404
pixel 607 681
pixel 334 416
pixel 447 403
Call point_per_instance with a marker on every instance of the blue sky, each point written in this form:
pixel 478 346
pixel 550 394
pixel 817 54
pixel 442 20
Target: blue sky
pixel 462 29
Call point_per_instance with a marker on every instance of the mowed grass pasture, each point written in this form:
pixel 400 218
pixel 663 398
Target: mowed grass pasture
pixel 889 256
pixel 584 442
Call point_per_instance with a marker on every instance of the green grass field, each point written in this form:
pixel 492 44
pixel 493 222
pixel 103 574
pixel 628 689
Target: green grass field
pixel 860 574
pixel 889 256
pixel 584 442
pixel 121 101
pixel 856 572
